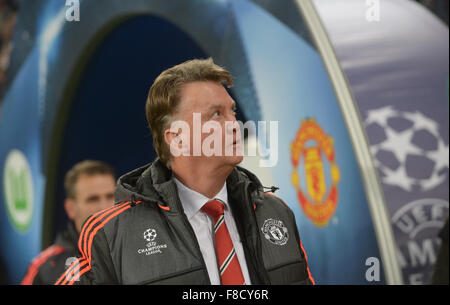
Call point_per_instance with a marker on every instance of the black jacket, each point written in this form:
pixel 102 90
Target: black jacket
pixel 47 267
pixel 147 239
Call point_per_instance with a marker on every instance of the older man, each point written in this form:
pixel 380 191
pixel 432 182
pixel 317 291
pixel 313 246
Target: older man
pixel 191 216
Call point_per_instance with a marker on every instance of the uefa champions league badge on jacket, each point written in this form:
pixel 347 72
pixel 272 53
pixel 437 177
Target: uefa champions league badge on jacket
pixel 275 232
pixel 152 246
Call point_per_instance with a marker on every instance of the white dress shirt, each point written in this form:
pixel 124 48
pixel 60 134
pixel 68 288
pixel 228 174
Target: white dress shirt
pixel 203 226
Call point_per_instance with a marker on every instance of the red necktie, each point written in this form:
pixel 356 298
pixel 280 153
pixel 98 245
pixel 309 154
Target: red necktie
pixel 229 268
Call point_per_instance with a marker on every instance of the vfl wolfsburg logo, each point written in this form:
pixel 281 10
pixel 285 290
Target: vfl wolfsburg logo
pixel 18 190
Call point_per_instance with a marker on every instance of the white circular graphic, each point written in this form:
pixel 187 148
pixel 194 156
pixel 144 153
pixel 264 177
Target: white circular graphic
pixel 150 235
pixel 18 190
pixel 402 154
pixel 416 226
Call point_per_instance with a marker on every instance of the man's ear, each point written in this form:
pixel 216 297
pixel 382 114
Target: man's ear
pixel 181 139
pixel 69 206
pixel 172 137
pixel 169 136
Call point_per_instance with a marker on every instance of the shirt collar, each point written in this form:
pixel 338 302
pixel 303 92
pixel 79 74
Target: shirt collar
pixel 193 201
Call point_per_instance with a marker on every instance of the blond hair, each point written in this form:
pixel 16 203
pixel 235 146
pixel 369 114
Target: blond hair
pixel 164 96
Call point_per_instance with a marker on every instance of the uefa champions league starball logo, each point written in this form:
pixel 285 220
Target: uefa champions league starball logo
pixel 409 152
pixel 152 247
pixel 150 235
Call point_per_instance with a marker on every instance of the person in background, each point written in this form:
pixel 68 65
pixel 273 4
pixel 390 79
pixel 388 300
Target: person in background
pixel 89 187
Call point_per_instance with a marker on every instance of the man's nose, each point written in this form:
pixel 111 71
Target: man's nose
pixel 231 127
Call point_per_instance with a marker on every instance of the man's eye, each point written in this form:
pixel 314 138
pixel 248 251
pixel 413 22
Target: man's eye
pixel 216 114
pixel 92 199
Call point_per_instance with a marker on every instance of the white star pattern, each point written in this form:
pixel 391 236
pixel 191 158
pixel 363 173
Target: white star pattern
pixel 399 143
pixel 432 182
pixel 440 156
pixel 398 178
pixel 380 115
pixel 422 122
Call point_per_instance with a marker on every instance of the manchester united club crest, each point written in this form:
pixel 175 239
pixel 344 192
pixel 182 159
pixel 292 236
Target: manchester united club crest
pixel 311 152
pixel 275 232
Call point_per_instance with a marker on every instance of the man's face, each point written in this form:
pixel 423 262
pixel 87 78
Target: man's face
pixel 93 193
pixel 213 103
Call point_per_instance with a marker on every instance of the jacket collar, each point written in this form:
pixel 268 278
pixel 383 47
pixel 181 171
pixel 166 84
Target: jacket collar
pixel 154 183
pixel 193 201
